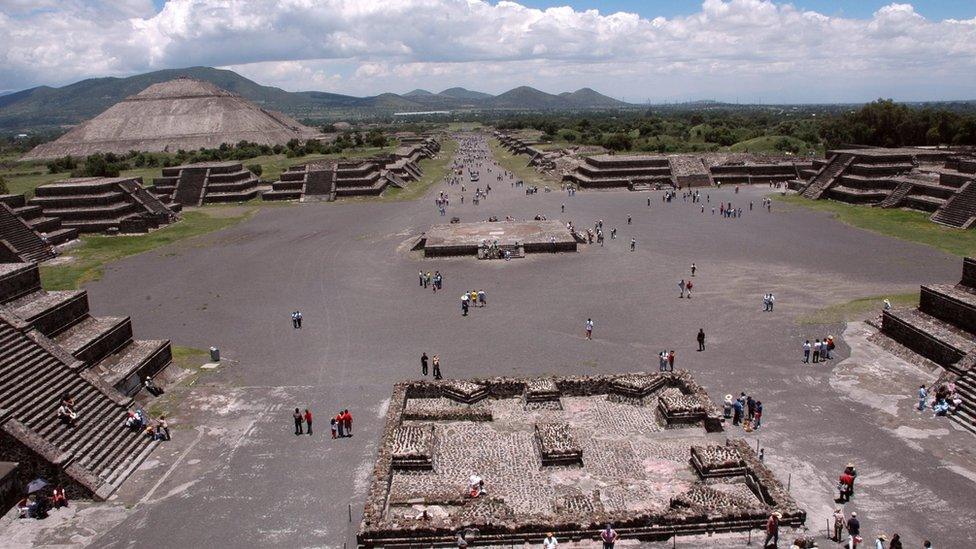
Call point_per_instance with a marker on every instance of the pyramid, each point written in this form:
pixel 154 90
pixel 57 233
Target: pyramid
pixel 183 113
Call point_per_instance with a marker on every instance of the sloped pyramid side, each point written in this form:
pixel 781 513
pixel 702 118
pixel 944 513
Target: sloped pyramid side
pixel 179 114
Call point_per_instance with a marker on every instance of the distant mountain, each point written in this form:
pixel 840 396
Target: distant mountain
pixel 524 97
pixel 588 98
pixel 466 95
pixel 45 107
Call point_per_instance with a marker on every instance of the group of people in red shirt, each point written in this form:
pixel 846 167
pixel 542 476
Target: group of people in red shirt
pixel 341 424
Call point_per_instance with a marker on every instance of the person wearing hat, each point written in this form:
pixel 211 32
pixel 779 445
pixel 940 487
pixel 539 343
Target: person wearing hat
pixel 772 529
pixel 727 407
pixel 839 522
pixel 880 542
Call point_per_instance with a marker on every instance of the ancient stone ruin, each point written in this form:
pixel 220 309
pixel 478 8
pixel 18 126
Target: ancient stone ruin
pixel 50 346
pixel 492 239
pixel 644 451
pixel 26 234
pixel 635 172
pixel 206 183
pixel 102 204
pixel 935 181
pixel 180 114
pixel 943 330
pixel 328 179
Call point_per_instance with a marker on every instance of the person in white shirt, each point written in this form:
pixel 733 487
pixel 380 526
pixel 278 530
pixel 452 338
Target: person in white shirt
pixel 550 542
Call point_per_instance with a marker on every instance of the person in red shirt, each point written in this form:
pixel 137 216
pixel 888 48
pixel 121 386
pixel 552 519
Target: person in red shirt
pixel 845 486
pixel 347 422
pixel 308 420
pixel 772 529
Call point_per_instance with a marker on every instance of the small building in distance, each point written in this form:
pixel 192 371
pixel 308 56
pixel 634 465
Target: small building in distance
pixel 100 204
pixel 206 183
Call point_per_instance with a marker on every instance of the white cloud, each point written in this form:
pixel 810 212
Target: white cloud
pixel 750 48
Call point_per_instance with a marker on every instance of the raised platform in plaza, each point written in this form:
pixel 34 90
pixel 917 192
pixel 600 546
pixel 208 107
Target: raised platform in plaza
pixel 644 451
pixel 465 238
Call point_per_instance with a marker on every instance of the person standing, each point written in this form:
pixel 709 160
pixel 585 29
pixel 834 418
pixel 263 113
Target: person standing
pixel 701 339
pixel 772 301
pixel 338 420
pixel 671 361
pixel 816 351
pixel 589 328
pixel 844 485
pixel 633 244
pixel 693 267
pixel 772 529
pixel 347 422
pixel 298 319
pixel 550 542
pixel 298 421
pixel 688 286
pixel 737 412
pixel 294 319
pixel 423 364
pixel 806 351
pixel 609 537
pixel 423 280
pixel 880 542
pixel 854 530
pixel 922 395
pixel 436 361
pixel 681 288
pixel 308 421
pixel 629 220
pixel 839 522
pixel 895 542
pixel 332 424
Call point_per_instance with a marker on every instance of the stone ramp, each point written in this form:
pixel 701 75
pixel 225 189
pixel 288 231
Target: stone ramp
pixel 827 175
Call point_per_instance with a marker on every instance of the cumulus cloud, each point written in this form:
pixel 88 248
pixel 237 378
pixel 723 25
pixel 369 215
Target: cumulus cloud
pixel 756 49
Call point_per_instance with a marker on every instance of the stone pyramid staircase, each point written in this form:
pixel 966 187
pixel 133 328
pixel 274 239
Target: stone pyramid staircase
pixel 827 175
pixel 960 210
pixel 18 241
pixel 103 344
pixel 92 458
pixel 49 229
pixel 943 330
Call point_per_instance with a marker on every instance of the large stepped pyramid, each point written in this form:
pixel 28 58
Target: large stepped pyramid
pixel 26 234
pixel 50 348
pixel 943 330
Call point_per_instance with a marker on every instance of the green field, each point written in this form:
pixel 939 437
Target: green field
pixel 89 258
pixel 768 144
pixel 904 224
pixel 858 309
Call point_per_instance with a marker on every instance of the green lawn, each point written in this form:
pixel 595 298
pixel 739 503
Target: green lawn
pixel 94 252
pixel 767 144
pixel 435 170
pixel 858 309
pixel 516 164
pixel 904 224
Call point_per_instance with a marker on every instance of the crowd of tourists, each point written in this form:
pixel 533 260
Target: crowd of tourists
pixel 744 410
pixel 820 350
pixel 340 425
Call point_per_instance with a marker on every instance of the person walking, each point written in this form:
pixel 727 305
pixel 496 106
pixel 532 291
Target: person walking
pixel 298 421
pixel 589 328
pixel 294 319
pixel 693 269
pixel 701 339
pixel 308 421
pixel 839 522
pixel 423 364
pixel 633 244
pixel 688 286
pixel 772 529
pixel 854 531
pixel 922 395
pixel 347 422
pixel 609 537
pixel 629 220
pixel 338 420
pixel 895 542
pixel 681 288
pixel 879 543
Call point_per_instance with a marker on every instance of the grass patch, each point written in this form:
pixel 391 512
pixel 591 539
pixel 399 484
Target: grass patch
pixel 858 309
pixel 96 251
pixel 516 164
pixel 903 224
pixel 769 144
pixel 435 170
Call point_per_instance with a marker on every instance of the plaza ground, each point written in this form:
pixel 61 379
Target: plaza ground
pixel 236 475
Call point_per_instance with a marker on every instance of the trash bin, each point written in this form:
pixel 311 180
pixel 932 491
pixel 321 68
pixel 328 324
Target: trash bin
pixel 215 354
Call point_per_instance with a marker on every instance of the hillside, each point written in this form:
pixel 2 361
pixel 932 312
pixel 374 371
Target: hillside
pixel 46 107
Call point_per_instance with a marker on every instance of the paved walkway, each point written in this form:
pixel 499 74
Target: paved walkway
pixel 238 476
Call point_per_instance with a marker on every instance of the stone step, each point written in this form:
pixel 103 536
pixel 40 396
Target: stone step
pixel 51 312
pixel 17 280
pixel 126 369
pixel 60 236
pixel 950 304
pixel 94 338
pixel 45 224
pixel 927 336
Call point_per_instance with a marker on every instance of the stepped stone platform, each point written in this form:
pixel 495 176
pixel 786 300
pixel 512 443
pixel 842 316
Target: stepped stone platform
pixel 943 330
pixel 467 238
pixel 631 171
pixel 327 180
pixel 599 458
pixel 206 183
pixel 940 182
pixel 50 347
pixel 100 204
pixel 26 234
